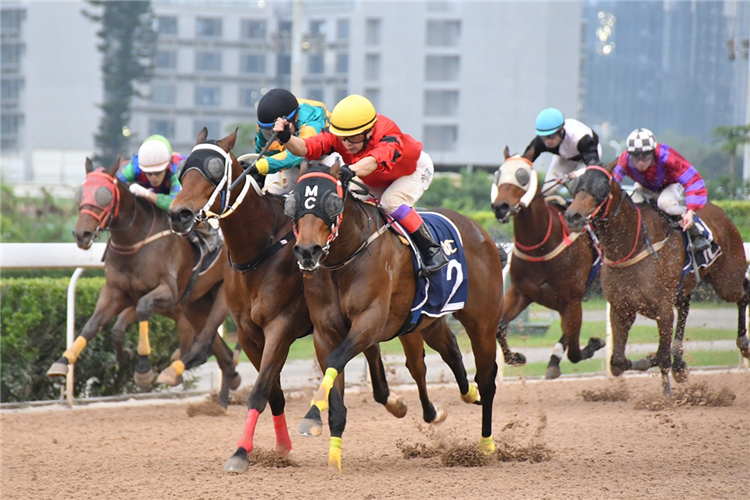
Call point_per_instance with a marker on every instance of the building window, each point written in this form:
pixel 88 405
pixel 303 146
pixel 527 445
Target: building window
pixel 161 127
pixel 166 25
pixel 208 61
pixel 372 31
pixel 163 94
pixel 342 29
pixel 208 27
pixel 440 137
pixel 315 94
pixel 443 33
pixel 207 96
pixel 10 124
pixel 372 67
pixel 373 95
pixel 10 54
pixel 284 65
pixel 442 68
pixel 339 93
pixel 441 103
pixel 213 127
pixel 285 28
pixel 10 20
pixel 249 97
pixel 317 29
pixel 342 62
pixel 11 89
pixel 253 63
pixel 315 64
pixel 253 29
pixel 165 59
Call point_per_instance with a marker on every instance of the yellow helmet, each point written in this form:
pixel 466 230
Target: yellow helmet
pixel 352 115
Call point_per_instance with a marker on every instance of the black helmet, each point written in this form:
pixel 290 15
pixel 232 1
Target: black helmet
pixel 275 104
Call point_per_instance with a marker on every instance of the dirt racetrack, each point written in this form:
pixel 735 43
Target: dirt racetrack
pixel 633 449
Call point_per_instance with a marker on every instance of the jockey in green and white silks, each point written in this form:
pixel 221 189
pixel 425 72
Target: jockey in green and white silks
pixel 152 173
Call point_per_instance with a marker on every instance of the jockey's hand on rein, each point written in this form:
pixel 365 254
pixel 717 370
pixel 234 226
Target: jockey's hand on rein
pixel 284 135
pixel 139 190
pixel 346 174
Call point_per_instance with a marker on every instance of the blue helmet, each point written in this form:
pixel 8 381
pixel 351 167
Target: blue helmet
pixel 549 121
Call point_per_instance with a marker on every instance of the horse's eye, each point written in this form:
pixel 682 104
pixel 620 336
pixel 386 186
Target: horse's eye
pixel 79 195
pixel 103 196
pixel 215 168
pixel 333 204
pixel 290 205
pixel 522 176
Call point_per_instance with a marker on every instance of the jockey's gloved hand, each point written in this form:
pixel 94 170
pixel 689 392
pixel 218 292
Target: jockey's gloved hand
pixel 139 190
pixel 346 174
pixel 284 135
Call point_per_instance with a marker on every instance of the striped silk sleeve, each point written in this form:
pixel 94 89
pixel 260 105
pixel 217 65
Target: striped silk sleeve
pixel 696 195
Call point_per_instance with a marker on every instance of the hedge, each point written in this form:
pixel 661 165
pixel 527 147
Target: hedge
pixel 739 212
pixel 33 336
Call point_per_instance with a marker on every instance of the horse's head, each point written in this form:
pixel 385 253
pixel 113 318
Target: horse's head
pixel 316 205
pixel 98 203
pixel 514 186
pixel 592 198
pixel 206 179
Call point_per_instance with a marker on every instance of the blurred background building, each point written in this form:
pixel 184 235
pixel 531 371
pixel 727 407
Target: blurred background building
pixel 465 78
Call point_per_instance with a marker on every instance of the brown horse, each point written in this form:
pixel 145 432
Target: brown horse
pixel 148 269
pixel 643 260
pixel 360 287
pixel 264 286
pixel 550 266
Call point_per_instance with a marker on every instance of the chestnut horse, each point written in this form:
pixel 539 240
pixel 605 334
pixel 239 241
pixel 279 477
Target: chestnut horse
pixel 550 266
pixel 264 286
pixel 148 269
pixel 360 287
pixel 642 273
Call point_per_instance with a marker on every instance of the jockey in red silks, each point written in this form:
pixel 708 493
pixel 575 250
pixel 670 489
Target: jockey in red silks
pixel 661 173
pixel 390 163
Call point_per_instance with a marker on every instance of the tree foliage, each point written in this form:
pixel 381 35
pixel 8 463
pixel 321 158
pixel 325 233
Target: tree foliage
pixel 127 44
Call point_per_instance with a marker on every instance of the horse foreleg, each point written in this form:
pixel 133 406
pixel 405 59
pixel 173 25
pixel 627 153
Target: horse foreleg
pixel 621 319
pixel 665 323
pixel 513 304
pixel 679 368
pixel 109 303
pixel 743 344
pixel 336 424
pixel 380 391
pixel 161 298
pixel 124 320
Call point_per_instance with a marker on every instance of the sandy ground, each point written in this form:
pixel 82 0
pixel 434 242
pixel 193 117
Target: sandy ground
pixel 587 450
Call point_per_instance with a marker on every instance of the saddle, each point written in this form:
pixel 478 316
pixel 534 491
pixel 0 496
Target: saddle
pixel 207 246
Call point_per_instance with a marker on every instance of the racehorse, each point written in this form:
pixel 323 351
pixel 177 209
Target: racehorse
pixel 360 287
pixel 264 286
pixel 643 269
pixel 550 265
pixel 148 269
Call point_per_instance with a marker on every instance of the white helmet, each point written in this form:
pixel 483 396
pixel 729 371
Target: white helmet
pixel 641 140
pixel 154 154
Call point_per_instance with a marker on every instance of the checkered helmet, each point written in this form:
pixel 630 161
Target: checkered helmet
pixel 641 140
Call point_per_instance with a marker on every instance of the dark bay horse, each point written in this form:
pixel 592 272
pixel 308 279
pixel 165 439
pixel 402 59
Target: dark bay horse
pixel 549 266
pixel 643 261
pixel 360 287
pixel 264 286
pixel 148 269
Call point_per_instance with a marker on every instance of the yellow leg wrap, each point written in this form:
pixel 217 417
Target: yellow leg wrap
pixel 334 453
pixel 320 399
pixel 144 348
pixel 487 445
pixel 75 350
pixel 179 367
pixel 470 396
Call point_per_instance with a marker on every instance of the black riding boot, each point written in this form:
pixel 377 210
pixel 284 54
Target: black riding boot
pixel 433 257
pixel 697 239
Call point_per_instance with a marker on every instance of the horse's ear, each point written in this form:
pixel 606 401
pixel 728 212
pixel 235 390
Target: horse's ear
pixel 227 143
pixel 303 167
pixel 335 169
pixel 506 152
pixel 202 135
pixel 89 165
pixel 112 171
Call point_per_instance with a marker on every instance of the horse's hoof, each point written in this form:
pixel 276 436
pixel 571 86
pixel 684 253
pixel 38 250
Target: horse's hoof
pixel 595 343
pixel 440 415
pixel 396 406
pixel 743 344
pixel 641 365
pixel 238 463
pixel 283 449
pixel 235 382
pixel 552 372
pixel 144 379
pixel 177 354
pixel 516 359
pixel 472 396
pixel 169 377
pixel 58 369
pixel 680 375
pixel 487 445
pixel 310 428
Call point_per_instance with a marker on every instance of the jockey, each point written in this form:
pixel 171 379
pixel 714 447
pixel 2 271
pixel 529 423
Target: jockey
pixel 153 174
pixel 574 145
pixel 661 173
pixel 390 163
pixel 306 119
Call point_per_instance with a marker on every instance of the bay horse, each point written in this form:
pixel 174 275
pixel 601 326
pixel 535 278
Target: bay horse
pixel 642 272
pixel 549 266
pixel 148 269
pixel 360 286
pixel 264 286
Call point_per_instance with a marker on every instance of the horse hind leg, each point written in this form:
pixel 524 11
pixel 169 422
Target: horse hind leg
pixel 679 367
pixel 414 350
pixel 124 320
pixel 380 392
pixel 513 304
pixel 743 344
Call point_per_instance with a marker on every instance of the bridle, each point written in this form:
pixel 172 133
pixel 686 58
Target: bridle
pixel 332 221
pixel 108 212
pixel 522 176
